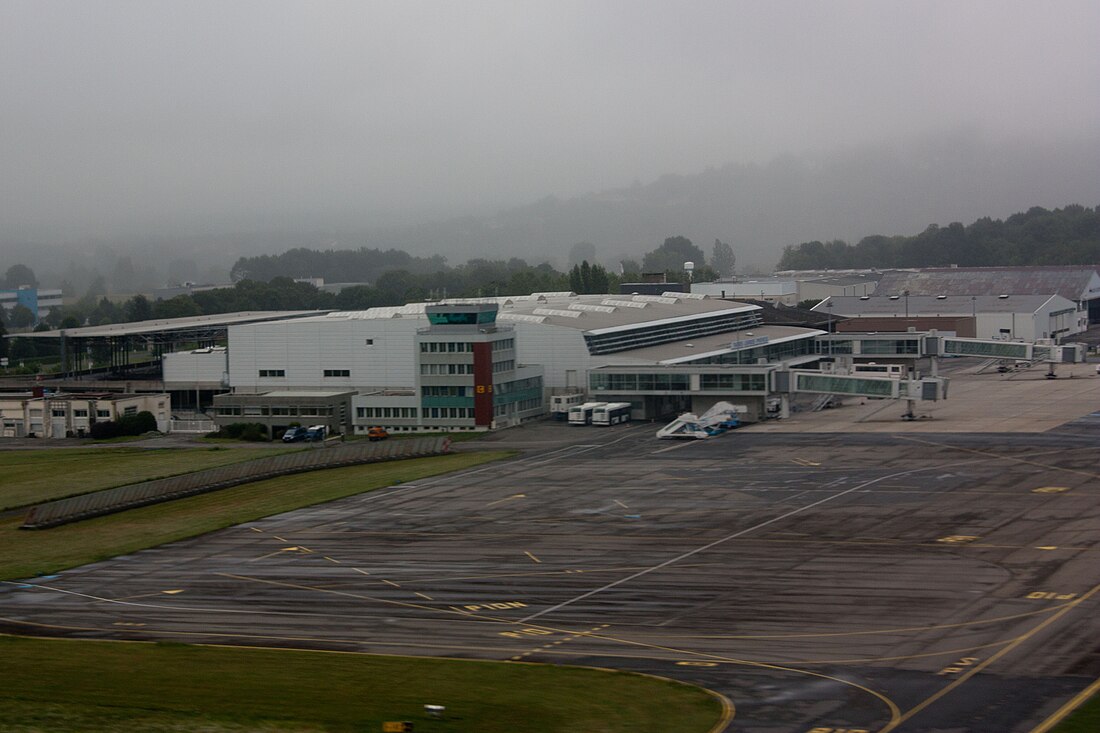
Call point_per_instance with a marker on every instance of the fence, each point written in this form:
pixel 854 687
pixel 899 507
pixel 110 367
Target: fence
pixel 131 496
pixel 191 426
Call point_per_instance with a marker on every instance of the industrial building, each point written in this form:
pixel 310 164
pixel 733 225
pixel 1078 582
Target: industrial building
pixel 778 290
pixel 279 409
pixel 1005 317
pixel 1077 283
pixel 789 289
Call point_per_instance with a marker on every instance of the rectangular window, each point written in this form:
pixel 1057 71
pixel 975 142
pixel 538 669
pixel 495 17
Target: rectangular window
pixel 80 413
pixel 131 410
pixel 369 342
pixel 337 372
pixel 272 373
pixel 102 413
pixel 57 413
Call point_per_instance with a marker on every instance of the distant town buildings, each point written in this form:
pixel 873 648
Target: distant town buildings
pixel 39 301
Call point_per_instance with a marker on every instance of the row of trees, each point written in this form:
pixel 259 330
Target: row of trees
pixel 1067 236
pixel 347 265
pixel 369 265
pixel 18 276
pixel 474 278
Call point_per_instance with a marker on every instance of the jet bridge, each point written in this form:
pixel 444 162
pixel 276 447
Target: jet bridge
pixel 814 382
pixel 1016 350
pixel 931 388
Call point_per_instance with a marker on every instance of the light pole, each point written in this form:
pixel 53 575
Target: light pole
pixel 829 310
pixel 906 294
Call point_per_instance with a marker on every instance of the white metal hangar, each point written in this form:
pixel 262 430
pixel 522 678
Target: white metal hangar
pixel 1008 317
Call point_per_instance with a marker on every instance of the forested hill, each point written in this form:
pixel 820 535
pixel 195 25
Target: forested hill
pixel 1067 236
pixel 342 266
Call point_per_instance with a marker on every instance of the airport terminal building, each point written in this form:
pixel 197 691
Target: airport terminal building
pixel 490 363
pixel 478 364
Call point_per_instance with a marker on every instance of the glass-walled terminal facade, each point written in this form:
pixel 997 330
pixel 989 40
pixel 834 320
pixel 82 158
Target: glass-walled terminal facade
pixel 655 392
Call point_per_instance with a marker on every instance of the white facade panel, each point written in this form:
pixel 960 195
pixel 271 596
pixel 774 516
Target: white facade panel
pixel 188 367
pixel 560 350
pixel 813 290
pixel 1009 326
pixel 772 291
pixel 1041 324
pixel 375 353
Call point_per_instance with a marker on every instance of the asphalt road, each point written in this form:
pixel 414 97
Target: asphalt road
pixel 825 583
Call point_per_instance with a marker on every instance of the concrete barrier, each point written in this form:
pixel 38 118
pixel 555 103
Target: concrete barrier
pixel 120 498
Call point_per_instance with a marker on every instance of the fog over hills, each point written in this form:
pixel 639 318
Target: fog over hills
pixel 146 141
pixel 876 189
pixel 759 209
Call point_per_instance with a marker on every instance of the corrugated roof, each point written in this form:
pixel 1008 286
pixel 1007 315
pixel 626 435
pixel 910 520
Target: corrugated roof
pixel 842 280
pixel 165 325
pixel 1072 282
pixel 560 309
pixel 707 345
pixel 925 305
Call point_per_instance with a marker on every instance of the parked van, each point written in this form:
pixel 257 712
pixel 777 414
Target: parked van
pixel 316 432
pixel 293 435
pixel 374 434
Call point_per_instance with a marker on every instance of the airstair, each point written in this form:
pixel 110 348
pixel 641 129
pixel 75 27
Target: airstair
pixel 718 419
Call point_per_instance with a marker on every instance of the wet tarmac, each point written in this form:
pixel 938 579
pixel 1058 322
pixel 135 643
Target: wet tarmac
pixel 827 583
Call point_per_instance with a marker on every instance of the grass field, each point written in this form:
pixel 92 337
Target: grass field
pixel 27 553
pixel 61 686
pixel 32 476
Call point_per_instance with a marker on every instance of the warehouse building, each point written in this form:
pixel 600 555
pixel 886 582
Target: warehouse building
pixel 1006 317
pixel 1077 283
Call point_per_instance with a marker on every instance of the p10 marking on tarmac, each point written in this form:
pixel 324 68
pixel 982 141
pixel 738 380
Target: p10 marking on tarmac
pixel 475 607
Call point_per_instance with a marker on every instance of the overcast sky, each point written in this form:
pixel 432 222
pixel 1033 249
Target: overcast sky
pixel 118 118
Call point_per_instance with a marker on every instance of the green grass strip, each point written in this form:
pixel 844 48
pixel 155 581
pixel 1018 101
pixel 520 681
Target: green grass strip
pixel 27 553
pixel 1085 719
pixel 61 686
pixel 35 476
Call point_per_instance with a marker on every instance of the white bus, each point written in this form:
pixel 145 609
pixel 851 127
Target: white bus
pixel 582 414
pixel 612 413
pixel 560 404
